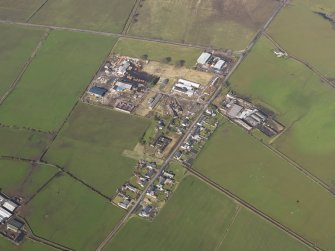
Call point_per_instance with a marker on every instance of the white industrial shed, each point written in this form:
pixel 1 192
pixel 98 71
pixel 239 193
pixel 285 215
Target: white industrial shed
pixel 204 58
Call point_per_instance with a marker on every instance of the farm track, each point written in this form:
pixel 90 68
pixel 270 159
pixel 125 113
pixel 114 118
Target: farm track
pixel 189 131
pixel 101 33
pixel 25 67
pixel 309 66
pixel 254 209
pixel 131 16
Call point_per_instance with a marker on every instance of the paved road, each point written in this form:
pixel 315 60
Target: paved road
pixel 189 131
pixel 52 27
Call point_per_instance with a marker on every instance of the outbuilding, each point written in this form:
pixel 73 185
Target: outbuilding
pixel 10 206
pixel 98 91
pixel 204 57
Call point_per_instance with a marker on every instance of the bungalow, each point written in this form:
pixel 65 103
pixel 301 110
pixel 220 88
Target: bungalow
pixel 125 203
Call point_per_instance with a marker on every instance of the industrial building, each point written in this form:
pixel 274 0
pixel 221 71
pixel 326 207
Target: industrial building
pixel 214 62
pixel 186 87
pixel 154 101
pixel 98 91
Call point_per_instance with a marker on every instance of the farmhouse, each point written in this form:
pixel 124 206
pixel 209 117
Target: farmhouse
pixel 98 91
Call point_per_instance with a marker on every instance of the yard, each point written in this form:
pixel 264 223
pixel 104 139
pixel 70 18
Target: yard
pixel 55 79
pixel 22 178
pixel 98 15
pixel 245 167
pixel 301 102
pixel 214 23
pixel 157 51
pixel 70 214
pixel 17 44
pixel 91 143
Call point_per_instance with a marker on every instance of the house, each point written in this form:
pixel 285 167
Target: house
pixel 204 57
pixel 10 206
pixel 131 188
pixel 146 211
pixel 178 155
pixel 161 182
pixel 125 203
pixel 168 175
pixel 15 225
pixel 98 91
pixel 151 192
pixel 142 181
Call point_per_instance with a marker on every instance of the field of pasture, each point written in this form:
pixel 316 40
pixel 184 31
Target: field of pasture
pixel 91 143
pixel 222 24
pixel 244 166
pixel 54 80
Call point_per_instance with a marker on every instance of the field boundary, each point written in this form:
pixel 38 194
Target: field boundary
pixel 25 67
pixel 253 209
pixel 35 12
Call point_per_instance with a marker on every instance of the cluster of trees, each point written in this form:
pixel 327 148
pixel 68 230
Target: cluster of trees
pixel 166 60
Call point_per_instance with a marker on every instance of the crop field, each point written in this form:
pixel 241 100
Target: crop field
pixel 111 132
pixel 195 218
pixel 27 245
pixel 251 233
pixel 302 103
pixel 22 143
pixel 16 46
pixel 309 36
pixel 259 176
pixel 54 80
pixel 221 24
pixel 69 213
pixel 99 15
pixel 18 10
pixel 157 51
pixel 23 179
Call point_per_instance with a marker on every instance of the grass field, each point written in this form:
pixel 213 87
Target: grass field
pixel 55 79
pixel 99 15
pixel 18 10
pixel 241 164
pixel 91 145
pixel 157 51
pixel 22 179
pixel 16 46
pixel 69 213
pixel 301 102
pixel 198 218
pixel 194 219
pixel 309 36
pixel 251 233
pixel 27 245
pixel 22 143
pixel 221 24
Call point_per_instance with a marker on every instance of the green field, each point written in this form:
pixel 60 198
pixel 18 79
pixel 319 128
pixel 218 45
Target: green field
pixel 250 233
pixel 194 219
pixel 309 36
pixel 91 145
pixel 22 178
pixel 55 79
pixel 157 51
pixel 302 103
pixel 241 164
pixel 16 46
pixel 18 10
pixel 221 24
pixel 22 143
pixel 99 15
pixel 70 214
pixel 198 218
pixel 27 245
